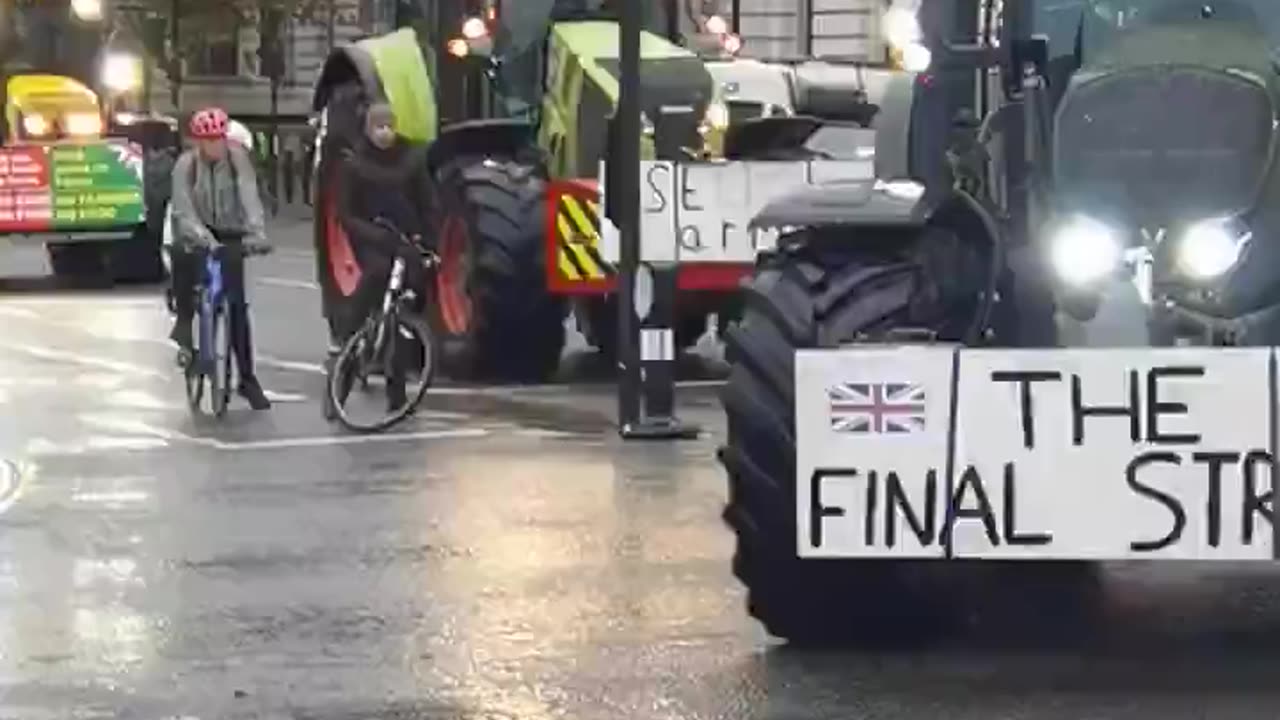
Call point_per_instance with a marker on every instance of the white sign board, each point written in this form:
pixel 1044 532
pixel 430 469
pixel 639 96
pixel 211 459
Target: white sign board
pixel 1090 454
pixel 699 212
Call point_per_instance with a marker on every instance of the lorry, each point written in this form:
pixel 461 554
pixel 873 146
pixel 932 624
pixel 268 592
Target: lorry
pixel 74 171
pixel 924 417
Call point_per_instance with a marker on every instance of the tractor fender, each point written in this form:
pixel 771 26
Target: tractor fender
pixel 494 138
pixel 864 203
pixel 346 63
pixel 389 68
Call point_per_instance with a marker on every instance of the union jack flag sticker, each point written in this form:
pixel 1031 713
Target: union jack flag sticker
pixel 889 408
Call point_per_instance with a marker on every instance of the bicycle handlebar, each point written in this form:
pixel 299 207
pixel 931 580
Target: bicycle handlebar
pixel 241 249
pixel 404 238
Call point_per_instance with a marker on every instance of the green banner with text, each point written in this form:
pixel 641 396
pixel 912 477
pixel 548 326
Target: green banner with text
pixel 70 186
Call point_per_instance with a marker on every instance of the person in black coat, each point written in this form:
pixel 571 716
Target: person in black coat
pixel 384 179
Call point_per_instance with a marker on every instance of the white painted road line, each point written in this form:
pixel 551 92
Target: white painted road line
pixel 336 440
pixel 13 311
pixel 305 442
pixel 295 365
pixel 10 484
pixel 46 353
pixel 288 283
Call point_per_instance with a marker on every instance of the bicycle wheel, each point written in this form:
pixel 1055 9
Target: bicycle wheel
pixel 195 382
pixel 412 345
pixel 220 375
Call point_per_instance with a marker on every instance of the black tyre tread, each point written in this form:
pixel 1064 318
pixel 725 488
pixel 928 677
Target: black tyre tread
pixel 805 299
pixel 797 300
pixel 518 325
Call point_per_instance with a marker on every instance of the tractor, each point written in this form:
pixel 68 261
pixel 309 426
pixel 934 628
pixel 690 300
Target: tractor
pixel 493 165
pixel 95 177
pixel 1100 161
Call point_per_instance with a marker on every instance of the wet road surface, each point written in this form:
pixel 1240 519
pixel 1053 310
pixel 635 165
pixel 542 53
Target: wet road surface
pixel 502 556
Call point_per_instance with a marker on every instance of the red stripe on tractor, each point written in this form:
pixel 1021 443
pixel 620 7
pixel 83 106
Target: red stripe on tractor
pixel 342 259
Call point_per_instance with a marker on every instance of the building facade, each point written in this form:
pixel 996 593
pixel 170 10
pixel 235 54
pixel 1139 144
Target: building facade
pixel 223 68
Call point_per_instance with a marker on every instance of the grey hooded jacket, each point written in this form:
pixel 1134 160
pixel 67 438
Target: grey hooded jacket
pixel 221 198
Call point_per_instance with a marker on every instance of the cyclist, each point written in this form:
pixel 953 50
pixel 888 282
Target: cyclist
pixel 215 202
pixel 384 181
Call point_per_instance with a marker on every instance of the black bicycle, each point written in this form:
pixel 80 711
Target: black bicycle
pixel 394 343
pixel 209 362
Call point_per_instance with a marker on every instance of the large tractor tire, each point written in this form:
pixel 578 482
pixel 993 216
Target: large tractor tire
pixel 495 314
pixel 806 298
pixel 337 271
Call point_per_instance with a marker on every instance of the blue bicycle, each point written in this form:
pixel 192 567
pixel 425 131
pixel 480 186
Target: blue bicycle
pixel 210 360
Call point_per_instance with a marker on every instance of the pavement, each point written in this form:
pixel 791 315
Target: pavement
pixel 503 555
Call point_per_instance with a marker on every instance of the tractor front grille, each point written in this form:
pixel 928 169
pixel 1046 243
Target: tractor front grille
pixel 1163 144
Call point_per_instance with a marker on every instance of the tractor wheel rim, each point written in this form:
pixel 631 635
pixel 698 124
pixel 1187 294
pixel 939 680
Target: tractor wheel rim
pixel 451 279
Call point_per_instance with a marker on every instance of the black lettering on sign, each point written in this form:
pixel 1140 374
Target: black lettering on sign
pixel 1155 408
pixel 1213 505
pixel 869 504
pixel 971 481
pixel 1024 378
pixel 817 510
pixel 658 178
pixel 898 503
pixel 725 228
pixel 1257 505
pixel 690 238
pixel 1168 501
pixel 1079 411
pixel 687 192
pixel 1011 534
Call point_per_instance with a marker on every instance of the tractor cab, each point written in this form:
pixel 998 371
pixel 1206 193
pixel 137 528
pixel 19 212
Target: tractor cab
pixel 557 64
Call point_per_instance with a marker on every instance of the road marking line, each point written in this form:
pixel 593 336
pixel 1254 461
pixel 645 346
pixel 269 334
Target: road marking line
pixel 10 485
pixel 21 312
pixel 281 364
pixel 333 440
pixel 314 441
pixel 286 282
pixel 46 353
pixel 284 397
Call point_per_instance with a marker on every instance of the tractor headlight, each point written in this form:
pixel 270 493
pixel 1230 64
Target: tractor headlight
pixel 1084 251
pixel 121 72
pixel 35 125
pixel 1211 247
pixel 715 118
pixel 90 10
pixel 906 40
pixel 901 27
pixel 83 124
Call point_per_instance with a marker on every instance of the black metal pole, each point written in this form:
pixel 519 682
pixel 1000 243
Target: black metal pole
pixel 647 386
pixel 623 186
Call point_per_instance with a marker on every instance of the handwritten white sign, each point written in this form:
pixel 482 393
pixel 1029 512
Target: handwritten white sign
pixel 1062 454
pixel 699 212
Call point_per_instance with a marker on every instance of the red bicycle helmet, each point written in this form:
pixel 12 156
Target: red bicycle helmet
pixel 210 124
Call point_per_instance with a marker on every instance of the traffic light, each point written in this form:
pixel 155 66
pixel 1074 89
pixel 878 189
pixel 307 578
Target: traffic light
pixel 271 43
